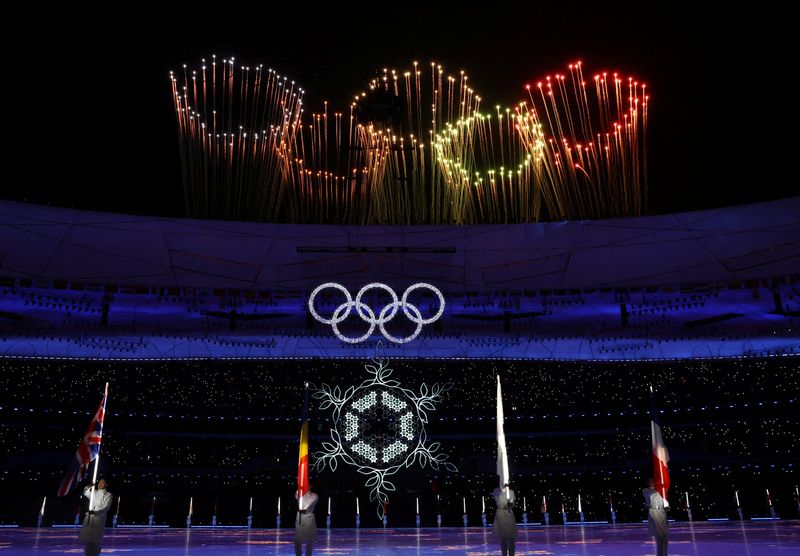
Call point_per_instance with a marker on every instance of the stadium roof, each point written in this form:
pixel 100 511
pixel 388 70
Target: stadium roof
pixel 717 283
pixel 711 246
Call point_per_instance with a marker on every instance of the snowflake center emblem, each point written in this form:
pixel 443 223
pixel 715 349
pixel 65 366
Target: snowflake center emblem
pixel 379 426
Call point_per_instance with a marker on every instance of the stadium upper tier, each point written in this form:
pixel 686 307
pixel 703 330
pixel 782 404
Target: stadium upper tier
pixel 714 283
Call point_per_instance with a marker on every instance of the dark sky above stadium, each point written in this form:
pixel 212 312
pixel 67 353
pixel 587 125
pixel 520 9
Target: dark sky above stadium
pixel 93 127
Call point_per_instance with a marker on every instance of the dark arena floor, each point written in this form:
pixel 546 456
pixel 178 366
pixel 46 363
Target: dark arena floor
pixel 686 539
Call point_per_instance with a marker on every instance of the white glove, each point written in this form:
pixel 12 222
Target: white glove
pixel 666 503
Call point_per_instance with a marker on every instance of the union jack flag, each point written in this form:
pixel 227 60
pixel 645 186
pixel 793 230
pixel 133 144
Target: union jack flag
pixel 88 450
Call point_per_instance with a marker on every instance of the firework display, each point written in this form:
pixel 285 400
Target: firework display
pixel 594 159
pixel 414 148
pixel 236 130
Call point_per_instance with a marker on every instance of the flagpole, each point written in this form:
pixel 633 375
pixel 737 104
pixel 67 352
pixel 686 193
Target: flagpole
pixel 99 446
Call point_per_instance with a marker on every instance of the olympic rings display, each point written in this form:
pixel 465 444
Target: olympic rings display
pixel 366 313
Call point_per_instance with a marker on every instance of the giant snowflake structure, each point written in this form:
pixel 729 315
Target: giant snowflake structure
pixel 379 428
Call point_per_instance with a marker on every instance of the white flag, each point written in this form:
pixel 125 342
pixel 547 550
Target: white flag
pixel 502 455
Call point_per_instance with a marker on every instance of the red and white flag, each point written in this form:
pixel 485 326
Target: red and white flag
pixel 660 455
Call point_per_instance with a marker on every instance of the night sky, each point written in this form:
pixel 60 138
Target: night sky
pixel 91 113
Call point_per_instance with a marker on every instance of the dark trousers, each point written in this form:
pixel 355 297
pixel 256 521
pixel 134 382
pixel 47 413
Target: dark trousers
pixel 91 549
pixel 298 548
pixel 507 547
pixel 661 546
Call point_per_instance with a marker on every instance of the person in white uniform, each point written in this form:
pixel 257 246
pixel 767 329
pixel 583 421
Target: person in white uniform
pixel 657 517
pixel 505 523
pixel 94 522
pixel 305 525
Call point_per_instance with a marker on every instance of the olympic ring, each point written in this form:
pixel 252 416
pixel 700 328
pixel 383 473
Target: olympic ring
pixel 366 313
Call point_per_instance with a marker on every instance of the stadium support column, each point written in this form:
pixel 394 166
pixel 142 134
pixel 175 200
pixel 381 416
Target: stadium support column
pixel 622 298
pixel 776 297
pixel 105 305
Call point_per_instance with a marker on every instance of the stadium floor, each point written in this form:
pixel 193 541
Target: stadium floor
pixel 698 539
